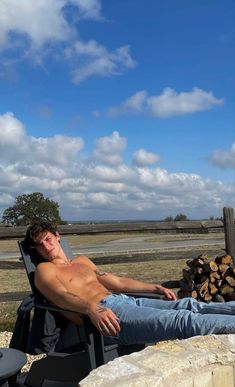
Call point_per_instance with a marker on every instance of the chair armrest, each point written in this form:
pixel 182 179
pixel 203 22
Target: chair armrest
pixel 48 306
pixel 171 284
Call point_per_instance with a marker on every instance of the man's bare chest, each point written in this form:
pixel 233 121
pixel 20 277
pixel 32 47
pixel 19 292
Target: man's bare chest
pixel 76 274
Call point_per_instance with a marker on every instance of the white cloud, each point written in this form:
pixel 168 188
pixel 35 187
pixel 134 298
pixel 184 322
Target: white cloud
pixel 224 158
pixel 91 48
pixel 89 9
pixel 109 149
pixel 120 174
pixel 98 61
pixel 12 131
pixel 168 104
pixel 41 21
pixel 143 158
pixel 18 149
pixel 101 185
pixel 134 104
pixel 60 150
pixel 32 30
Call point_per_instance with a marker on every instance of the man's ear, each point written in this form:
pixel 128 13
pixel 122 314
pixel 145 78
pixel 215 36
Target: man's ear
pixel 57 235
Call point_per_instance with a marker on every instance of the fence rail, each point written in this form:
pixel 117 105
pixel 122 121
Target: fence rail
pixel 200 226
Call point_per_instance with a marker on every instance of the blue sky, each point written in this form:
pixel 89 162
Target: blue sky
pixel 118 109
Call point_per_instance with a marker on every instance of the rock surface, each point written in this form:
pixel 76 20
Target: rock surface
pixel 199 361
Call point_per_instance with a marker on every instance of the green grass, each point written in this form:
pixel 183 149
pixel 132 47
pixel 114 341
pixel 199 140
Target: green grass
pixel 153 271
pixel 13 281
pixel 8 315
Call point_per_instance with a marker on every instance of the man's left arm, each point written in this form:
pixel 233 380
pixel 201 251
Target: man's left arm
pixel 125 284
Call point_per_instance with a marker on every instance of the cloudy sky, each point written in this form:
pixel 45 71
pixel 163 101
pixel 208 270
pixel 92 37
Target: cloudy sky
pixel 118 109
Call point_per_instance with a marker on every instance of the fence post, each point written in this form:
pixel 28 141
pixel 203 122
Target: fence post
pixel 229 229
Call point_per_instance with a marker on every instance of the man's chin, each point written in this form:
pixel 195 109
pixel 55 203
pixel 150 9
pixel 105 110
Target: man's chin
pixel 50 256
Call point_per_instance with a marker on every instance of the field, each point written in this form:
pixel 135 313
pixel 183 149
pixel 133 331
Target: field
pixel 13 277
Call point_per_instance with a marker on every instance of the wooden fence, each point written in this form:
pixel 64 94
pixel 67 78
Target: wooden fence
pixel 229 229
pixel 197 226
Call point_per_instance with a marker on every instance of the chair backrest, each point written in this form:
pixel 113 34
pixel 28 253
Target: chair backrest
pixel 49 330
pixel 31 259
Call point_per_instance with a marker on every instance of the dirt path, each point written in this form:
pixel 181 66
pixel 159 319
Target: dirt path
pixel 119 244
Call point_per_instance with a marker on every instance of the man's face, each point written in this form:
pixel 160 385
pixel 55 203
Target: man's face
pixel 47 245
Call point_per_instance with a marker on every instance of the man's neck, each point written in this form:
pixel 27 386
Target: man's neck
pixel 61 261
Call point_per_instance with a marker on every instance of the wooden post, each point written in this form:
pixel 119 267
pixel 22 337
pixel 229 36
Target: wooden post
pixel 229 229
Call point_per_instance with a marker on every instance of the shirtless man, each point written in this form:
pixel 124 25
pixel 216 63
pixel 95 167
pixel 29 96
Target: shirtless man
pixel 78 286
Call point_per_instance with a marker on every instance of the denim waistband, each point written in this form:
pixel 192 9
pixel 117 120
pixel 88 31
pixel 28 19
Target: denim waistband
pixel 109 296
pixel 114 297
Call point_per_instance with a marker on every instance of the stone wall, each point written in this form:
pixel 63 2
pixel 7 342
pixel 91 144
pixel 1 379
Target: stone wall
pixel 201 361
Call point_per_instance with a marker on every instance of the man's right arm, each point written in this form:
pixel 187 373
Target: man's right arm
pixel 49 285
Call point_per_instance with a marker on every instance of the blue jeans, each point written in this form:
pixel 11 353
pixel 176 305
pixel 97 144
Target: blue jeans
pixel 144 320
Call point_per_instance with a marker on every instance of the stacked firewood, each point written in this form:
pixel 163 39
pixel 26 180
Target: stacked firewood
pixel 209 280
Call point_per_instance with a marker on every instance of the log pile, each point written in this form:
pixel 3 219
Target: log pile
pixel 209 280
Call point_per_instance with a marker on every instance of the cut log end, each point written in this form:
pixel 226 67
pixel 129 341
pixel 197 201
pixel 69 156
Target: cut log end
pixel 209 280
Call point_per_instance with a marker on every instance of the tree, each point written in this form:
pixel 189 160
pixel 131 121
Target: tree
pixel 28 208
pixel 169 219
pixel 180 217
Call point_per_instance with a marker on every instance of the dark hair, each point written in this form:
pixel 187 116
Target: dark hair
pixel 35 229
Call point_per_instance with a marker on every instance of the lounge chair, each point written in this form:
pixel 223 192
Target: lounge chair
pixel 72 351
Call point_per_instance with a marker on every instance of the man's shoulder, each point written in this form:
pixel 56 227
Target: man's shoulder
pixel 44 266
pixel 45 271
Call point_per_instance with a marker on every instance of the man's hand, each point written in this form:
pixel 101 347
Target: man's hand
pixel 104 319
pixel 168 293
